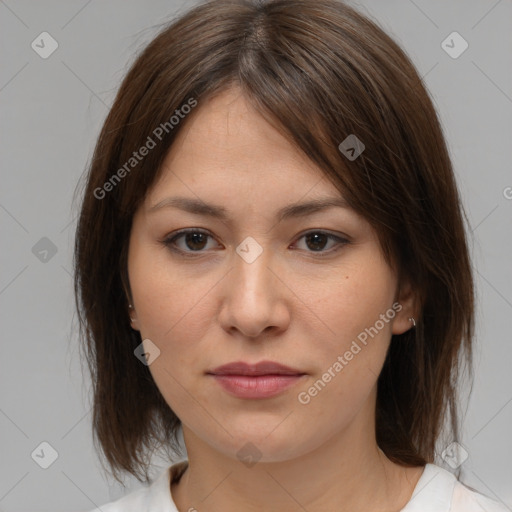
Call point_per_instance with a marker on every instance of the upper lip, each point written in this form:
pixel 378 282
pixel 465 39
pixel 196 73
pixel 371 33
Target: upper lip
pixel 261 368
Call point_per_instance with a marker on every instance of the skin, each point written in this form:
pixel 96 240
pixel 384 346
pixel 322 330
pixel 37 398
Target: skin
pixel 290 305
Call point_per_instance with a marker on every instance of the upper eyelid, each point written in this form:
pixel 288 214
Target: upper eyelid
pixel 185 231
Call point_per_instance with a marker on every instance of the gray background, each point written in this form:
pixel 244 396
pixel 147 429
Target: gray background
pixel 52 110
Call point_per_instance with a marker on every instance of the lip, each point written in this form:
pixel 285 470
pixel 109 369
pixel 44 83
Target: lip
pixel 256 387
pixel 255 381
pixel 261 368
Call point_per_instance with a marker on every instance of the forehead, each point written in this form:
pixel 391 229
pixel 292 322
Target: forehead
pixel 227 146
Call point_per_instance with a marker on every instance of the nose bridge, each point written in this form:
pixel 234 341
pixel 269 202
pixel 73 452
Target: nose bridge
pixel 251 262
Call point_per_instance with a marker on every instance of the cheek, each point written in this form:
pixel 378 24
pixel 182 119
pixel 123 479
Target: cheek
pixel 160 295
pixel 174 310
pixel 351 302
pixel 350 354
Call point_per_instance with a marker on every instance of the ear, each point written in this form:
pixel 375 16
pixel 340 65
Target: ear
pixel 408 300
pixel 133 317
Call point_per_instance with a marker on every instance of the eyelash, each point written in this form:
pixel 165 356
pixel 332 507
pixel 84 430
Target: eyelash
pixel 171 240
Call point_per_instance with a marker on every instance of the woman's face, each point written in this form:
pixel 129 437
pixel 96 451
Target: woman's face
pixel 310 290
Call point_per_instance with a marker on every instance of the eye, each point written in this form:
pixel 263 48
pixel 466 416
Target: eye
pixel 190 241
pixel 316 241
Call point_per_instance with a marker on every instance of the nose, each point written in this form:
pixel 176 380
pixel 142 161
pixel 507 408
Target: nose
pixel 255 301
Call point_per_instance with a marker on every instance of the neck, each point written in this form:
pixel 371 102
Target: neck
pixel 347 473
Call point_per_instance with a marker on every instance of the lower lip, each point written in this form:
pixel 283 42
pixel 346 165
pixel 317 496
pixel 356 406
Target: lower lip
pixel 258 386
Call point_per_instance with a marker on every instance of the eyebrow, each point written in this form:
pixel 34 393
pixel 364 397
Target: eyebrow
pixel 198 207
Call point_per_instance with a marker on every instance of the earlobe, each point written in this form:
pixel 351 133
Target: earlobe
pixel 407 317
pixel 133 317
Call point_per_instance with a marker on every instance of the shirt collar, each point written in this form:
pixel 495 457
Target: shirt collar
pixel 160 499
pixel 433 491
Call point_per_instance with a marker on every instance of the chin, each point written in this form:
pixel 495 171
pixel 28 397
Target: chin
pixel 264 443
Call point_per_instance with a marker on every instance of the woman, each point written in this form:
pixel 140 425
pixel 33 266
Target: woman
pixel 271 259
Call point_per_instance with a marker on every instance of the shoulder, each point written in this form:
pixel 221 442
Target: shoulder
pixel 132 502
pixel 438 490
pixel 155 497
pixel 468 500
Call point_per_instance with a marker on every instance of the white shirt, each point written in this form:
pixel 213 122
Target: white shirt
pixel 437 490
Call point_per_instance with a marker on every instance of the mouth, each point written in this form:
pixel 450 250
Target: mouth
pixel 255 381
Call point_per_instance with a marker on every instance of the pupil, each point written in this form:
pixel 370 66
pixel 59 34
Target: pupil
pixel 315 237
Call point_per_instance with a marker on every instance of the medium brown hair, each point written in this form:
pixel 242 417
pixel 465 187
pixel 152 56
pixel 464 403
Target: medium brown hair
pixel 320 71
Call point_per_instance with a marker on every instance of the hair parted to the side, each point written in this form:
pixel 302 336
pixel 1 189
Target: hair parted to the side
pixel 320 71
